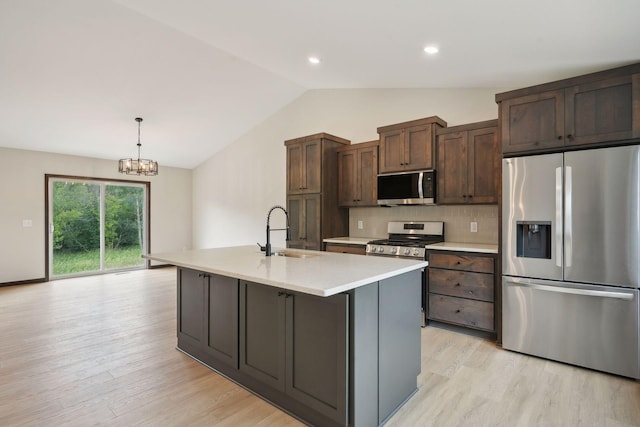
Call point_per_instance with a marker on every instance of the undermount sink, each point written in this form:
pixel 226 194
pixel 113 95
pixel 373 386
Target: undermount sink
pixel 293 254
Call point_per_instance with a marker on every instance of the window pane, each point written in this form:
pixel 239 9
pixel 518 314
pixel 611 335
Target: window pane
pixel 123 226
pixel 76 233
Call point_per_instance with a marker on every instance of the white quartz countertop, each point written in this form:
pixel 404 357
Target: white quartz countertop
pixel 350 240
pixel 465 247
pixel 320 273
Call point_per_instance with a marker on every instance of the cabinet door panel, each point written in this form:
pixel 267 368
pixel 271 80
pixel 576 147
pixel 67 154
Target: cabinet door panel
pixel 311 172
pixel 222 318
pixel 600 112
pixel 190 306
pixel 294 168
pixel 312 226
pixel 418 148
pixel 452 168
pixel 296 221
pixel 484 166
pixel 368 177
pixel 533 122
pixel 317 357
pixel 347 178
pixel 262 334
pixel 391 151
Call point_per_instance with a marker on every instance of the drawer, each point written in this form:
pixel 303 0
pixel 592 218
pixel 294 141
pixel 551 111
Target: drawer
pixel 345 249
pixel 463 284
pixel 480 264
pixel 466 312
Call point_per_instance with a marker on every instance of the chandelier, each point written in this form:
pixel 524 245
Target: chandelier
pixel 138 166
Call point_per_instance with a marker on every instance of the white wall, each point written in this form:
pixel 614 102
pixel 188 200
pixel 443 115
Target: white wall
pixel 22 196
pixel 233 190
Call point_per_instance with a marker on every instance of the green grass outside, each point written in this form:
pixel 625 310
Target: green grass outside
pixel 77 262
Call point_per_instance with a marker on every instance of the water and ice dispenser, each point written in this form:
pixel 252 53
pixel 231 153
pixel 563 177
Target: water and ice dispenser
pixel 533 239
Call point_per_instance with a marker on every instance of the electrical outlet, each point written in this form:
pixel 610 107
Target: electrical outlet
pixel 27 223
pixel 474 227
pixel 360 224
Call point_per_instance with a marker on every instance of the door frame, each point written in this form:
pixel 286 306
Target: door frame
pixel 147 227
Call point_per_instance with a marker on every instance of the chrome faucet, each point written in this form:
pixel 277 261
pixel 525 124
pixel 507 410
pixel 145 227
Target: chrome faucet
pixel 288 230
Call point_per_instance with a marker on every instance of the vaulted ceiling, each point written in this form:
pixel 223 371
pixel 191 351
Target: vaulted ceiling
pixel 75 73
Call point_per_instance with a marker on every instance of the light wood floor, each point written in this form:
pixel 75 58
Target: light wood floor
pixel 101 350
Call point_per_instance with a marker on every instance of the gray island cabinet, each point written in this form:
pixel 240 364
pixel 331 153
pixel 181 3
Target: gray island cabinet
pixel 345 353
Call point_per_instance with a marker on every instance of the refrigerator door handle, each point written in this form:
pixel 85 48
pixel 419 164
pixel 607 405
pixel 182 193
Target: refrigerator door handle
pixel 558 234
pixel 575 291
pixel 568 235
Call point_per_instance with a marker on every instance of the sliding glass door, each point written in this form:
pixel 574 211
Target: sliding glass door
pixel 95 226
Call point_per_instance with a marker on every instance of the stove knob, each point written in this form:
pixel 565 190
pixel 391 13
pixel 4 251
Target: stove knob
pixel 394 250
pixel 380 249
pixel 407 251
pixel 416 251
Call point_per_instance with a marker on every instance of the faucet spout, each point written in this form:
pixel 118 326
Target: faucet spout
pixel 288 230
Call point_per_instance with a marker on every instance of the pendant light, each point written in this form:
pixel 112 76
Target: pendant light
pixel 138 166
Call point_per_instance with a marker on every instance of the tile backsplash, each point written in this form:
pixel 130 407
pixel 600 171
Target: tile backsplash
pixel 457 221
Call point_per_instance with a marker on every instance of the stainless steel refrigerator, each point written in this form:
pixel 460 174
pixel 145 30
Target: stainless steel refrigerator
pixel 571 227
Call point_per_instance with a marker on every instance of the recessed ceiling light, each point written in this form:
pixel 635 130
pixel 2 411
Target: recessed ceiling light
pixel 314 60
pixel 431 50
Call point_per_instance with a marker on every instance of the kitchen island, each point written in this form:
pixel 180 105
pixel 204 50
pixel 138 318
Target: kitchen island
pixel 333 339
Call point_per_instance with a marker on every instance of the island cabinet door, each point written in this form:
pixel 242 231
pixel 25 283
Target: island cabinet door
pixel 190 307
pixel 221 318
pixel 317 353
pixel 262 333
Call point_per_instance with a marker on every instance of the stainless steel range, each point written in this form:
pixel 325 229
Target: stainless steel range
pixel 407 239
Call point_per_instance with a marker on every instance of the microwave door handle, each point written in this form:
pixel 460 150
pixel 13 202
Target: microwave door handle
pixel 420 190
pixel 558 230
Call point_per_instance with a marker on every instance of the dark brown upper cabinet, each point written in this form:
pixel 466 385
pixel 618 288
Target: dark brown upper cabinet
pixel 599 108
pixel 357 174
pixel 468 164
pixel 409 146
pixel 312 191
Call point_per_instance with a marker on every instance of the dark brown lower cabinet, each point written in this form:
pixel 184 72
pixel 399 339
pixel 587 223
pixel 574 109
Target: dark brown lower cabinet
pixel 297 343
pixel 350 359
pixel 461 289
pixel 208 314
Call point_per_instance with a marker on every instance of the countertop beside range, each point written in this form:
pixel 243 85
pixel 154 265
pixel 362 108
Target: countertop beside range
pixel 350 240
pixel 311 272
pixel 465 247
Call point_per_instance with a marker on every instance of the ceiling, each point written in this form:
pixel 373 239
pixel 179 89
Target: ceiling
pixel 75 73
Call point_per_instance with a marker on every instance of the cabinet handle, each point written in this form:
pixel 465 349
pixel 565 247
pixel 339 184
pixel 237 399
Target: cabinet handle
pixel 559 137
pixel 569 136
pixel 464 196
pixel 458 311
pixel 471 196
pixel 457 284
pixel 281 293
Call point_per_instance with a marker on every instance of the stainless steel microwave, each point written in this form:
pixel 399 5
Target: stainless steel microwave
pixel 407 188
